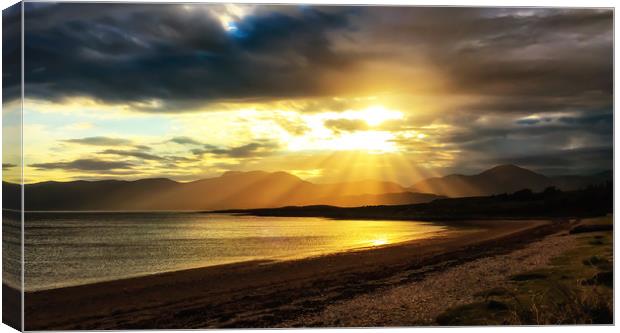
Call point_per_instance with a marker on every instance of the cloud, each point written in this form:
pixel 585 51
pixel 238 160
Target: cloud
pixel 604 119
pixel 471 142
pixel 552 59
pixel 183 140
pixel 346 125
pixel 7 166
pixel 548 130
pixel 11 53
pixel 539 49
pixel 254 149
pixel 565 161
pixel 84 165
pixel 100 141
pixel 271 53
pixel 143 147
pixel 506 83
pixel 144 153
pixel 133 153
pixel 529 121
pixel 294 126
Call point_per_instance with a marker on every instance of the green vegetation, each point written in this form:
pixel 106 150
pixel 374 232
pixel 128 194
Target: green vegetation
pixel 576 288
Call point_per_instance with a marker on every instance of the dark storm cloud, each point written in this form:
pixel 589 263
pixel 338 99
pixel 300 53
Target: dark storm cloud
pixel 84 165
pixel 254 149
pixel 564 161
pixel 605 120
pixel 564 128
pixel 178 56
pixel 507 60
pixel 502 65
pixel 554 144
pixel 521 103
pixel 477 143
pixel 527 129
pixel 11 53
pixel 136 53
pixel 531 121
pixel 100 141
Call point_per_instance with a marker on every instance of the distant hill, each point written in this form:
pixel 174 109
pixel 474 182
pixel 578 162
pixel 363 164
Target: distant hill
pixel 556 204
pixel 503 179
pixel 402 198
pixel 232 190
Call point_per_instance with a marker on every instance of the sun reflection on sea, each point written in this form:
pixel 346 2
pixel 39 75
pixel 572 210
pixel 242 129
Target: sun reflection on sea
pixel 379 241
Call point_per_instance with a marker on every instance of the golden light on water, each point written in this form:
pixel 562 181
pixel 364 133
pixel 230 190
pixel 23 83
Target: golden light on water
pixel 198 240
pixel 379 241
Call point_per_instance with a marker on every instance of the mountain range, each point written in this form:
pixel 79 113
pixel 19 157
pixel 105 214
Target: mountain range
pixel 504 179
pixel 258 189
pixel 232 190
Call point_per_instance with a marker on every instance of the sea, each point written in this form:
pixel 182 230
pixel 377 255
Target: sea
pixel 69 248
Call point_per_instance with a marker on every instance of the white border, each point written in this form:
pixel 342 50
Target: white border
pixel 471 3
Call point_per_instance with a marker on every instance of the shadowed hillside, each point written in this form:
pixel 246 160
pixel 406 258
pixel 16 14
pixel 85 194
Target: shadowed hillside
pixel 231 190
pixel 503 179
pixel 550 203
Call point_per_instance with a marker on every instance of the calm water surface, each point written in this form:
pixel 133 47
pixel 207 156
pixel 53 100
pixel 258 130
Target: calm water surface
pixel 65 249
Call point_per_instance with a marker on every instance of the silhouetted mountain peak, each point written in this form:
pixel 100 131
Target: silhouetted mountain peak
pixel 156 180
pixel 508 170
pixel 505 178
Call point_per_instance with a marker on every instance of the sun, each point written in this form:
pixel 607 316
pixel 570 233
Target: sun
pixel 377 114
pixel 370 137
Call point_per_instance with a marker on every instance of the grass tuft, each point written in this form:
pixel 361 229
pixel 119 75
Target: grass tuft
pixel 598 262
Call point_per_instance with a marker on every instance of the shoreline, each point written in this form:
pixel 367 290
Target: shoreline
pixel 263 293
pixel 443 230
pixel 223 266
pixel 449 228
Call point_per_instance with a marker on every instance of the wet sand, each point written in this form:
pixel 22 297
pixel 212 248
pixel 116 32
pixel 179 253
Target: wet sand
pixel 270 294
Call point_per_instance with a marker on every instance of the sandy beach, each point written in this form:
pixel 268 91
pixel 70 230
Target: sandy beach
pixel 271 294
pixel 419 303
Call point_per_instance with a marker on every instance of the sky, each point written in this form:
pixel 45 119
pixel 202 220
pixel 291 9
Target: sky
pixel 328 93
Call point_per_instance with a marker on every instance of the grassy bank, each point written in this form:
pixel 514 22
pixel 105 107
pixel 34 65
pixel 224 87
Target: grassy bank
pixel 576 288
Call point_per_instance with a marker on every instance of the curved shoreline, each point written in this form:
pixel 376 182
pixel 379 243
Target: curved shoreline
pixel 257 294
